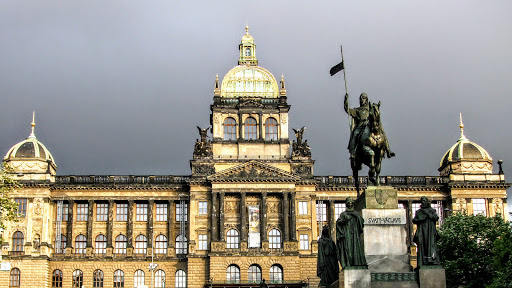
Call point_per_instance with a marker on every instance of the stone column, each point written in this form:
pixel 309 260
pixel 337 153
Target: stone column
pixel 215 217
pixel 110 223
pixel 243 217
pixel 170 225
pixel 221 216
pixel 89 223
pixel 240 126
pixel 332 219
pixel 263 216
pixel 149 227
pixel 286 215
pixel 69 226
pixel 294 218
pixel 409 226
pixel 129 226
pixel 260 126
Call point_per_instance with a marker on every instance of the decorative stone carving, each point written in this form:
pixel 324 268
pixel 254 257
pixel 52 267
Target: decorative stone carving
pixel 497 205
pixel 460 205
pixel 38 207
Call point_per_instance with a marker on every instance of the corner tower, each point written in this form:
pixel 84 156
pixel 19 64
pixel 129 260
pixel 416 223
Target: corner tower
pixel 249 114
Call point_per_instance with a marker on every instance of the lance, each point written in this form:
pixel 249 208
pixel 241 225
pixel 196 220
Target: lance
pixel 337 68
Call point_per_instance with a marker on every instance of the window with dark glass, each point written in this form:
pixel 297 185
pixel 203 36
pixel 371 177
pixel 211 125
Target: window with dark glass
pixel 233 274
pixel 63 243
pixel 232 239
pixel 181 279
pixel 120 247
pixel 22 206
pixel 97 279
pixel 101 212
pixel 141 244
pixel 57 279
pixel 276 274
pixel 161 244
pixel 80 243
pixel 142 212
pixel 179 211
pixel 14 277
pixel 82 210
pixel 229 129
pixel 100 244
pixel 251 129
pixel 271 129
pixel 119 279
pixel 254 274
pixel 78 279
pixel 122 212
pixel 161 212
pixel 274 239
pixel 18 240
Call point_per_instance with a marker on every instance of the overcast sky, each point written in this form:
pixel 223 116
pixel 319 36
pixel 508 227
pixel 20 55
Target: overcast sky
pixel 120 86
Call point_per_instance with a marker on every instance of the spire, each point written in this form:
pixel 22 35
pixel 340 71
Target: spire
pixel 216 91
pixel 462 137
pixel 33 124
pixel 282 91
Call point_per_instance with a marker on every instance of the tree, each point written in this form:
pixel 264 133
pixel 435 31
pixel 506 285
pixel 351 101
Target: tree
pixel 502 261
pixel 8 207
pixel 467 249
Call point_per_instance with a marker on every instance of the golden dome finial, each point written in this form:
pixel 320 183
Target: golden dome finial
pixel 461 128
pixel 246 29
pixel 33 124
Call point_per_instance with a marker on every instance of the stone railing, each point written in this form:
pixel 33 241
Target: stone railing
pixel 121 179
pixel 384 180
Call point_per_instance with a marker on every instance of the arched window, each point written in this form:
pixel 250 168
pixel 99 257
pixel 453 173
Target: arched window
pixel 247 51
pixel 57 279
pixel 232 241
pixel 119 279
pixel 159 279
pixel 161 244
pixel 100 244
pixel 271 129
pixel 18 240
pixel 97 279
pixel 78 279
pixel 233 274
pixel 141 244
pixel 120 244
pixel 138 279
pixel 276 274
pixel 254 274
pixel 181 244
pixel 274 239
pixel 63 243
pixel 229 129
pixel 181 279
pixel 80 243
pixel 251 129
pixel 14 277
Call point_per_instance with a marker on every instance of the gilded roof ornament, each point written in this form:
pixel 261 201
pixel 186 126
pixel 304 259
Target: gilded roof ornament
pixel 462 137
pixel 33 124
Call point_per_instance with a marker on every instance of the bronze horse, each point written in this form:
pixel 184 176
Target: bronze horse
pixel 371 148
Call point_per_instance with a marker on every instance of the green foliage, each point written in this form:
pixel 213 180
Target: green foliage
pixel 502 263
pixel 8 207
pixel 467 249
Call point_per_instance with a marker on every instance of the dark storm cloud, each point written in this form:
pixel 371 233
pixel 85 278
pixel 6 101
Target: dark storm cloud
pixel 119 86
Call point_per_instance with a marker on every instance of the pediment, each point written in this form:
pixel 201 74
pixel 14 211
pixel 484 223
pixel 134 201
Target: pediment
pixel 253 171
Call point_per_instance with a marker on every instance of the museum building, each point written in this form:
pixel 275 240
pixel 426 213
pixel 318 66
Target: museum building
pixel 251 209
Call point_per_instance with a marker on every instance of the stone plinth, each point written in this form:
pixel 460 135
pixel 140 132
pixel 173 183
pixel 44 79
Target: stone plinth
pixel 355 278
pixel 377 197
pixel 432 277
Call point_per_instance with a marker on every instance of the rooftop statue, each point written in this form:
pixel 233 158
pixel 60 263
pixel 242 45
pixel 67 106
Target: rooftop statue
pixel 368 143
pixel 426 235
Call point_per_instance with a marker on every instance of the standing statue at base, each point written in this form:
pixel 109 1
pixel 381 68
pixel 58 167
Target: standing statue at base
pixel 426 235
pixel 368 143
pixel 349 227
pixel 327 263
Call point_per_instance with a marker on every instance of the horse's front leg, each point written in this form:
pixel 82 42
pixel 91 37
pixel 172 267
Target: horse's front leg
pixel 371 172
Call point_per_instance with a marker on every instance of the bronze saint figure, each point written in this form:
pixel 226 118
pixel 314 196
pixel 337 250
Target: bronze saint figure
pixel 368 143
pixel 349 227
pixel 426 235
pixel 327 263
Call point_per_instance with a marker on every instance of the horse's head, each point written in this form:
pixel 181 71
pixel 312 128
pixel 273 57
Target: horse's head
pixel 375 117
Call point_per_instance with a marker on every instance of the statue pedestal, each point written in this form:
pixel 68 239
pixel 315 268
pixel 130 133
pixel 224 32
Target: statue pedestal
pixel 355 278
pixel 432 277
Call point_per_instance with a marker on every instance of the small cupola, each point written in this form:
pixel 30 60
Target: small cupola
pixel 247 50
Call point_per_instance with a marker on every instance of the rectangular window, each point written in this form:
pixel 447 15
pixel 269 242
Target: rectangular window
pixel 438 206
pixel 141 212
pixel 321 211
pixel 122 212
pixel 479 206
pixel 203 242
pixel 101 211
pixel 415 207
pixel 303 208
pixel 304 241
pixel 22 206
pixel 178 211
pixel 161 212
pixel 203 207
pixel 338 209
pixel 82 210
